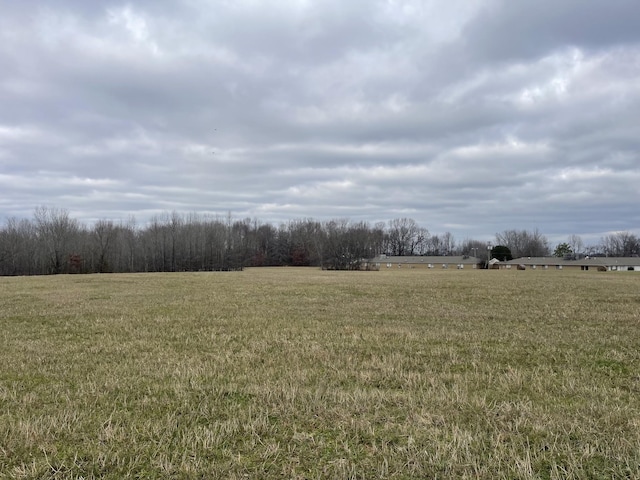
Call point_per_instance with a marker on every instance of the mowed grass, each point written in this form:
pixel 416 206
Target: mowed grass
pixel 301 373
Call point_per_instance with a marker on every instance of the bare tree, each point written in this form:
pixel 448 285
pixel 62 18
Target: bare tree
pixel 620 244
pixel 377 239
pixel 56 231
pixel 129 234
pixel 473 248
pixel 346 244
pixel 104 233
pixel 448 243
pixel 523 243
pixel 17 246
pixel 576 244
pixel 265 245
pixel 442 244
pixel 405 237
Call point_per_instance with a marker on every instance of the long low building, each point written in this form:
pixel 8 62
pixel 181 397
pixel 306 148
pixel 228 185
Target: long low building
pixel 449 261
pixel 621 264
pixel 544 263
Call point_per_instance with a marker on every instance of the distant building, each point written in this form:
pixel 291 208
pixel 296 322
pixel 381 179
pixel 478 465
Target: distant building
pixel 620 264
pixel 462 262
pixel 428 262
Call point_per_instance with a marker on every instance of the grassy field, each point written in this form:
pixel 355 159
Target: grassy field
pixel 300 373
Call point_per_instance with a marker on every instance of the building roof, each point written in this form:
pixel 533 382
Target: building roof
pixel 426 260
pixel 582 262
pixel 471 260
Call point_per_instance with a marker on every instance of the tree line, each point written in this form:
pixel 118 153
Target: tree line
pixel 53 242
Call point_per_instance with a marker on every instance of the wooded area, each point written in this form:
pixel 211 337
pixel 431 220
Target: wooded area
pixel 54 242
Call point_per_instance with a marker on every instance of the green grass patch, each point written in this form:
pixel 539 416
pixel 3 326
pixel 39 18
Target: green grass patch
pixel 303 373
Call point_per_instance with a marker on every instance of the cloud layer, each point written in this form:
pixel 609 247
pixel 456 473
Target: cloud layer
pixel 469 119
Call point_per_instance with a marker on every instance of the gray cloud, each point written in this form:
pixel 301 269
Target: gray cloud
pixel 511 31
pixel 472 119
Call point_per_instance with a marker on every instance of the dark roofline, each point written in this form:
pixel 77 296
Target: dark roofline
pixel 582 262
pixel 427 259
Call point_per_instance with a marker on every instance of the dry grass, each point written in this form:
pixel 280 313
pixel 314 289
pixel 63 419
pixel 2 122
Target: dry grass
pixel 300 373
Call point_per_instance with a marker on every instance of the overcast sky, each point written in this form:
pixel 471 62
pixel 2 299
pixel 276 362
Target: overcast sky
pixel 468 116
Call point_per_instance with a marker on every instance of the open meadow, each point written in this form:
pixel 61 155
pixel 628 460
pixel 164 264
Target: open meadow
pixel 303 373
